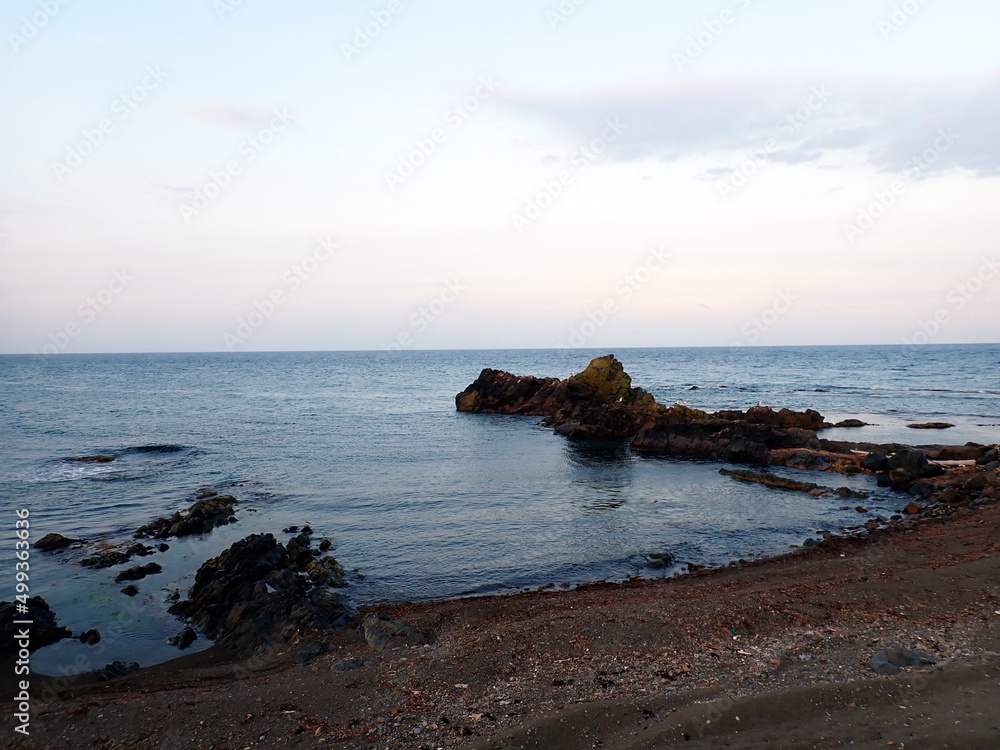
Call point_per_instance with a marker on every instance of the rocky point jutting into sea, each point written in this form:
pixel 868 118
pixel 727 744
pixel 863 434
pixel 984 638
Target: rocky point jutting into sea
pixel 601 402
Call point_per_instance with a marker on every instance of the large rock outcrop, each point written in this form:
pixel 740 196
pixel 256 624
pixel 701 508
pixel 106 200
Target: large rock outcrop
pixel 44 629
pixel 255 595
pixel 689 433
pixel 599 402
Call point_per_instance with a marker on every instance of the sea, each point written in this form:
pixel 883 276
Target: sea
pixel 419 501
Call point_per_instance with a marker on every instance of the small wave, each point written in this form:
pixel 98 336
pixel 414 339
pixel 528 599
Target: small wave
pixel 157 449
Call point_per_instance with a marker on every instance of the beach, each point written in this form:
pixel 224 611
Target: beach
pixel 771 652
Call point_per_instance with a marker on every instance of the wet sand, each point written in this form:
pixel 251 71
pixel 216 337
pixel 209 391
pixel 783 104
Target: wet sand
pixel 768 654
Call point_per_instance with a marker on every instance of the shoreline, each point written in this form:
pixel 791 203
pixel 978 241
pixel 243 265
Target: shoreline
pixel 914 592
pixel 535 660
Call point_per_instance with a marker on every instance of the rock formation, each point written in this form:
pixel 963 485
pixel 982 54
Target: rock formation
pixel 210 511
pixel 253 596
pixel 599 402
pixel 44 630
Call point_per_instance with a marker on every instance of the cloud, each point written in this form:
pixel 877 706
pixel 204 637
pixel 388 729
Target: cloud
pixel 715 173
pixel 229 114
pixel 888 123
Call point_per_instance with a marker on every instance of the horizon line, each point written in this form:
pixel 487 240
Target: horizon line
pixel 608 349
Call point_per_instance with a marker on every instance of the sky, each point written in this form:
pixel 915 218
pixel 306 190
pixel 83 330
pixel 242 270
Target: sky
pixel 227 175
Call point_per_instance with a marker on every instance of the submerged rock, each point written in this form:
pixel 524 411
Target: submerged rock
pixel 209 512
pixel 779 483
pixel 930 425
pixel 95 459
pixel 851 423
pixel 90 637
pixel 253 597
pixel 138 572
pixel 110 557
pixel 659 560
pixel 44 630
pixel 51 542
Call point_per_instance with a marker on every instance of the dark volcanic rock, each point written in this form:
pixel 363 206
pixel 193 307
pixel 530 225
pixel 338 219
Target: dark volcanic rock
pixel 805 420
pixel 252 597
pixel 599 402
pixel 183 639
pixel 990 456
pixel 200 518
pixel 111 557
pixel 875 461
pixel 138 572
pixel 779 483
pixel 90 637
pixel 681 431
pixel 130 590
pixel 901 479
pixel 851 423
pixel 51 542
pixel 930 426
pixel 43 630
pixel 967 452
pixel 848 492
pixel 914 462
pixel 499 392
pixel 106 559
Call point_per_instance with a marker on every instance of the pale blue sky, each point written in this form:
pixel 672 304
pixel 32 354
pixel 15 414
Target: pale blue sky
pixel 868 91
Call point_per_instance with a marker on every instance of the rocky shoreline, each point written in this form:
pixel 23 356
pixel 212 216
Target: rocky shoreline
pixel 261 600
pixel 887 639
pixel 601 402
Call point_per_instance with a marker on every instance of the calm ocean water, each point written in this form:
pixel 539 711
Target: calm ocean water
pixel 421 501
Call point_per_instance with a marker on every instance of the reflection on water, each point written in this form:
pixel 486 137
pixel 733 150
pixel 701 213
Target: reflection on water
pixel 593 453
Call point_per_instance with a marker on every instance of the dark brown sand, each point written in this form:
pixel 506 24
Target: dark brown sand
pixel 770 654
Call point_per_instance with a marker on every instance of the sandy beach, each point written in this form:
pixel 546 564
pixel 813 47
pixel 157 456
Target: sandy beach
pixel 768 654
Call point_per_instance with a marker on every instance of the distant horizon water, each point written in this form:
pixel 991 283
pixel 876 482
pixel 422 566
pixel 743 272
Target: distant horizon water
pixel 913 347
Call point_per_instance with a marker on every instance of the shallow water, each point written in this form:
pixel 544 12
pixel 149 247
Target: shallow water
pixel 423 501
